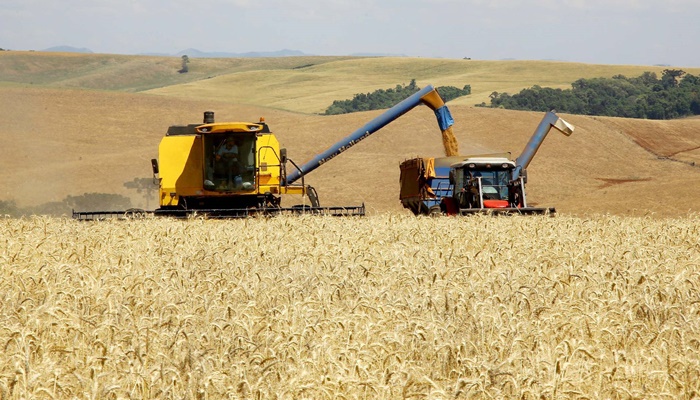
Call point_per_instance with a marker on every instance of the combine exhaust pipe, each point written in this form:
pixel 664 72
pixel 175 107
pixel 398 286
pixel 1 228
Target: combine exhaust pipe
pixel 428 96
pixel 208 117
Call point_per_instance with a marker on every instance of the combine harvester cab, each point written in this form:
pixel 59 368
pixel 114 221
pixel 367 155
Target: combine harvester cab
pixel 237 169
pixel 487 183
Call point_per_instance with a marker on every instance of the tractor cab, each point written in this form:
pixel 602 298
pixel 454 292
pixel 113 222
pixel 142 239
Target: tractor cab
pixel 485 183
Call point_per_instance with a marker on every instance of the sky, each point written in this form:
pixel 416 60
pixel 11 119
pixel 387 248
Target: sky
pixel 636 32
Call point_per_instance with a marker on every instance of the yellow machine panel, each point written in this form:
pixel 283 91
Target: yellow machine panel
pixel 268 161
pixel 180 163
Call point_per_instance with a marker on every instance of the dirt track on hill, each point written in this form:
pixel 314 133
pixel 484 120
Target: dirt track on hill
pixel 70 142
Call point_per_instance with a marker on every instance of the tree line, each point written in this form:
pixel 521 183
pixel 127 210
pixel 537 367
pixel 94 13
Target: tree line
pixel 676 94
pixel 386 98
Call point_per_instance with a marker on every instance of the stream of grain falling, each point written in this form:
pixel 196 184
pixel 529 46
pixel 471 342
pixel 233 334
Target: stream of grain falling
pixel 450 142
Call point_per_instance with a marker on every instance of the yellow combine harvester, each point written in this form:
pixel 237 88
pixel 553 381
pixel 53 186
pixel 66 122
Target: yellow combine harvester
pixel 226 169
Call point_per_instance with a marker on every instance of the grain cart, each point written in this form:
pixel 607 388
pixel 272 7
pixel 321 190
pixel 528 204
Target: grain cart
pixel 237 169
pixel 475 184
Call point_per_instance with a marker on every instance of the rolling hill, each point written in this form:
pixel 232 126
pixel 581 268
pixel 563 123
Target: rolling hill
pixel 77 123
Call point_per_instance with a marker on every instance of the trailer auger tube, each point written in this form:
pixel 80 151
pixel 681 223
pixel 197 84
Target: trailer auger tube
pixel 549 121
pixel 428 96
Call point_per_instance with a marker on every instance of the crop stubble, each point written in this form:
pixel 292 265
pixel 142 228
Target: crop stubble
pixel 389 306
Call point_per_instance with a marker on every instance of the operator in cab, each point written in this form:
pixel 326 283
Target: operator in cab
pixel 229 154
pixel 229 151
pixel 227 165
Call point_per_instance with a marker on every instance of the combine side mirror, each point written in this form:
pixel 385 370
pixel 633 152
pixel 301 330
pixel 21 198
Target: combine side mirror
pixel 283 155
pixel 154 166
pixel 452 177
pixel 524 175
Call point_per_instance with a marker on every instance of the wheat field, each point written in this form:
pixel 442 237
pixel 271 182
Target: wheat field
pixel 389 306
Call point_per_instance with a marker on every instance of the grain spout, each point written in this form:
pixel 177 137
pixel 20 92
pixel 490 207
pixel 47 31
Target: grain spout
pixel 449 141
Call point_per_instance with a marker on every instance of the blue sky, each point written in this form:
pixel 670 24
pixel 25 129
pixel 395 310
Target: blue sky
pixel 639 32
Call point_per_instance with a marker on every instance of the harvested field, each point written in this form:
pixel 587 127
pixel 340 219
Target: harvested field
pixel 388 306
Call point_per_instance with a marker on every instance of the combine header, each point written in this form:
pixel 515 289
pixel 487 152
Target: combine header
pixel 238 169
pixel 486 183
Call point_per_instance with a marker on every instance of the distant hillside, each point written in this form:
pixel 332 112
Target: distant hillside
pixel 307 84
pixel 378 55
pixel 132 73
pixel 194 53
pixel 312 88
pixel 69 49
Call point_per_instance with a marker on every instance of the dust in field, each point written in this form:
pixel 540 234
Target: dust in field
pixel 320 307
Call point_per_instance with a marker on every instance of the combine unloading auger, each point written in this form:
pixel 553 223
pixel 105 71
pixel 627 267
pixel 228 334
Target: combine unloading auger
pixel 428 96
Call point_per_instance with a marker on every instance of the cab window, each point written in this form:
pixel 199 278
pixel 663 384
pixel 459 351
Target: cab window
pixel 229 162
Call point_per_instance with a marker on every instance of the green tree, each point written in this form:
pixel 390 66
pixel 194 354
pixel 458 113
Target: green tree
pixel 185 68
pixel 450 92
pixel 647 79
pixel 385 98
pixel 675 95
pixel 670 77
